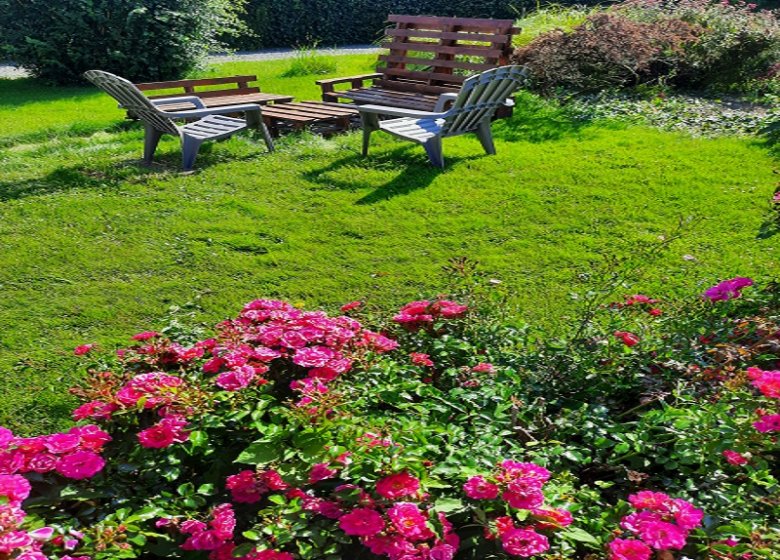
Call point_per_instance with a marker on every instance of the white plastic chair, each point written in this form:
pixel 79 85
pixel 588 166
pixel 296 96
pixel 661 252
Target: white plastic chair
pixel 471 111
pixel 212 124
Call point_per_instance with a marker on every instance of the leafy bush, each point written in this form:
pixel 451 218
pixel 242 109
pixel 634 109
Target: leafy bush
pixel 606 51
pixel 293 434
pixel 738 43
pixel 139 39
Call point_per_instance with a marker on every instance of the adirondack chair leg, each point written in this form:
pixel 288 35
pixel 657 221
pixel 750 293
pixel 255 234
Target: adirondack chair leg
pixel 254 122
pixel 189 151
pixel 370 123
pixel 486 137
pixel 151 140
pixel 433 149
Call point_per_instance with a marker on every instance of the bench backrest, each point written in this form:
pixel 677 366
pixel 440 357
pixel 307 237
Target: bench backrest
pixel 434 55
pixel 188 87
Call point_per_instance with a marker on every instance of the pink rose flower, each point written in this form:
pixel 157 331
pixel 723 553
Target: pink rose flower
pixel 80 464
pixel 350 306
pixel 245 487
pixel 146 335
pixel 362 522
pixel 623 549
pixel 397 486
pixel 419 359
pixel 655 501
pixel 768 423
pixel 237 378
pixel 524 543
pixel 478 488
pixel 734 458
pixel 662 536
pixel 629 339
pixel 166 432
pixel 14 487
pixel 314 356
pixel 83 349
pixel 320 471
pixel 410 522
pixel 62 443
pixel 728 289
pixel 768 382
pixel 483 367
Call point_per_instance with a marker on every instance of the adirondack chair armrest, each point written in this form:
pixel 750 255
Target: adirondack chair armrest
pixel 444 100
pixel 194 99
pixel 399 112
pixel 244 108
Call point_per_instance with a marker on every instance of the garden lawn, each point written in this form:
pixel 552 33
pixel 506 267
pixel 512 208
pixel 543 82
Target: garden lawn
pixel 95 248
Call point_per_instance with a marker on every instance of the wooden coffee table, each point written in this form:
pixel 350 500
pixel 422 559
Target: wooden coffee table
pixel 319 117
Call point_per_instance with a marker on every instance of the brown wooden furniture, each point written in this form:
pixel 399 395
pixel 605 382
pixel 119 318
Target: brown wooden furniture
pixel 243 92
pixel 427 56
pixel 322 118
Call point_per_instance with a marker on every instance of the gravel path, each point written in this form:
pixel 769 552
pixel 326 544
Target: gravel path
pixel 8 70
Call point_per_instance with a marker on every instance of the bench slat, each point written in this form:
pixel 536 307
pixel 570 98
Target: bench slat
pixel 471 50
pixel 475 24
pixel 448 35
pixel 425 76
pixel 438 63
pixel 148 86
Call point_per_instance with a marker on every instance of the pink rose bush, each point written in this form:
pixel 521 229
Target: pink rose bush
pixel 296 435
pixel 660 523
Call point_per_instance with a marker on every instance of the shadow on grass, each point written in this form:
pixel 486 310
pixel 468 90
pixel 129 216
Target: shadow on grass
pixel 111 175
pixel 23 91
pixel 410 175
pixel 536 120
pixel 76 130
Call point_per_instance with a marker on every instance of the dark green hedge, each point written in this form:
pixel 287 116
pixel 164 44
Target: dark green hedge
pixel 341 22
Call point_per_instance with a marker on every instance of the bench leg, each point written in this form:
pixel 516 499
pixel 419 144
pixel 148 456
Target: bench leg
pixel 370 123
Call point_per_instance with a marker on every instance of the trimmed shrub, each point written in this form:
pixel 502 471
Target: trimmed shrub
pixel 606 51
pixel 341 22
pixel 137 39
pixel 738 42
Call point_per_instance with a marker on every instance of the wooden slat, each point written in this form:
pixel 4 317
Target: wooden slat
pixel 460 64
pixel 448 35
pixel 195 83
pixel 464 23
pixel 471 50
pixel 423 76
pixel 211 93
pixel 259 98
pixel 397 85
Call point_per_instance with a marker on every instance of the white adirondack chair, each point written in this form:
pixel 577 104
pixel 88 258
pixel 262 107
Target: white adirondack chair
pixel 212 124
pixel 471 111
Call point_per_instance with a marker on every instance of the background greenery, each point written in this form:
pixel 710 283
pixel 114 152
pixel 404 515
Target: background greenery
pixel 95 248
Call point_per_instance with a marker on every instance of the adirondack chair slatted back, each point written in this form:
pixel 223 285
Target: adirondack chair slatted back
pixel 480 96
pixel 434 55
pixel 131 99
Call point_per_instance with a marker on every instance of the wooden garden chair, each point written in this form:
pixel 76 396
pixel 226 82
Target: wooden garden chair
pixel 472 110
pixel 206 124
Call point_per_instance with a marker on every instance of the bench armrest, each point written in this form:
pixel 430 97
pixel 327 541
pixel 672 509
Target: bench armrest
pixel 246 107
pixel 194 99
pixel 355 82
pixel 399 112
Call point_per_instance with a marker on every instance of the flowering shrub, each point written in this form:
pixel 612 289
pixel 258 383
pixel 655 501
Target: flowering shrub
pixel 447 435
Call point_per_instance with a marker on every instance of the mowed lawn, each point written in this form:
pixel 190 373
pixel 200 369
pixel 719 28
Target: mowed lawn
pixel 95 248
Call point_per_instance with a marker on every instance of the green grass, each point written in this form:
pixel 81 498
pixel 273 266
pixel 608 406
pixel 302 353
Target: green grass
pixel 95 247
pixel 550 18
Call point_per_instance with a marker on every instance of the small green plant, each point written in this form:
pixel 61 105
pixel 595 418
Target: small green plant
pixel 308 60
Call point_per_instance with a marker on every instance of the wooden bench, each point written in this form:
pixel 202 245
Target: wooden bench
pixel 427 56
pixel 243 92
